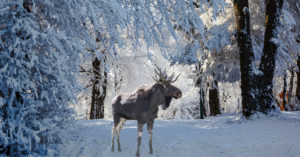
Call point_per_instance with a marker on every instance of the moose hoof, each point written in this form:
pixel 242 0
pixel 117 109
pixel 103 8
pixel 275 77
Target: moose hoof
pixel 119 149
pixel 151 153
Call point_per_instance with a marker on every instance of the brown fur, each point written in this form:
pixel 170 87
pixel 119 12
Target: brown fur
pixel 142 105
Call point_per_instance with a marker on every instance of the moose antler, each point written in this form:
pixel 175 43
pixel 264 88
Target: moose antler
pixel 171 78
pixel 162 76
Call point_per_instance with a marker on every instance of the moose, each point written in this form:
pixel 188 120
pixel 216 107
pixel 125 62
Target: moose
pixel 142 105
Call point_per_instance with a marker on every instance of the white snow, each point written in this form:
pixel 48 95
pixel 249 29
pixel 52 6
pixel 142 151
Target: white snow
pixel 227 135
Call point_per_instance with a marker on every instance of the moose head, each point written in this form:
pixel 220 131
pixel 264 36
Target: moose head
pixel 167 90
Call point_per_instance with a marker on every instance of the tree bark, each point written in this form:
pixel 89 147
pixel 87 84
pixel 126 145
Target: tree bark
pixel 284 93
pixel 257 90
pixel 267 64
pixel 98 96
pixel 248 83
pixel 202 101
pixel 298 80
pixel 214 102
pixel 291 86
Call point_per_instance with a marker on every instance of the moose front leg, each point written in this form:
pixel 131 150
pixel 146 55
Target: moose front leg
pixel 113 137
pixel 149 128
pixel 120 125
pixel 140 132
pixel 114 130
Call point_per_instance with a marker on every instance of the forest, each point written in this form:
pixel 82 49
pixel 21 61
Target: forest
pixel 221 77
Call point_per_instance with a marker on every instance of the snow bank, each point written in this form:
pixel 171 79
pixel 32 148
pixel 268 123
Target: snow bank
pixel 222 136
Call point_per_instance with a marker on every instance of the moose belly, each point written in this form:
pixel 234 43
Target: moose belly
pixel 148 116
pixel 141 117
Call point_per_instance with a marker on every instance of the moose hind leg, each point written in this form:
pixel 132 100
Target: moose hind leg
pixel 120 125
pixel 140 132
pixel 149 128
pixel 116 122
pixel 112 139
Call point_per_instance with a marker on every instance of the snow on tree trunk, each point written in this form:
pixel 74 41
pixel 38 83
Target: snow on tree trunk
pixel 98 90
pixel 257 85
pixel 267 64
pixel 201 103
pixel 248 83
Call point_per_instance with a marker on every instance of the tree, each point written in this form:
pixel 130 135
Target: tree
pixel 214 102
pixel 93 74
pixel 298 80
pixel 99 88
pixel 201 103
pixel 37 65
pixel 202 108
pixel 284 104
pixel 291 87
pixel 257 87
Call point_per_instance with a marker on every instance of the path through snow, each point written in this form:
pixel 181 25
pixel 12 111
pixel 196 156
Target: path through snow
pixel 221 136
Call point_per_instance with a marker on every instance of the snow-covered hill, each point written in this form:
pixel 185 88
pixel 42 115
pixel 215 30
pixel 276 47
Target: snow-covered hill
pixel 220 136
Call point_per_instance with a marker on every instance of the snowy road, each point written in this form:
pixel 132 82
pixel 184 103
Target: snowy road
pixel 221 136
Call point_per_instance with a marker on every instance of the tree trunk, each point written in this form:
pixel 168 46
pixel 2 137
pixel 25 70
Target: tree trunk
pixel 298 81
pixel 284 93
pixel 290 92
pixel 267 64
pixel 202 101
pixel 98 95
pixel 255 87
pixel 248 83
pixel 214 102
pixel 199 83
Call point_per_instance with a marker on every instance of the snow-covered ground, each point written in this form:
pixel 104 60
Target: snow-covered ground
pixel 220 136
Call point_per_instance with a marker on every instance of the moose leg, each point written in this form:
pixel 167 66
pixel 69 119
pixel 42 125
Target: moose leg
pixel 121 123
pixel 112 138
pixel 116 122
pixel 140 132
pixel 149 128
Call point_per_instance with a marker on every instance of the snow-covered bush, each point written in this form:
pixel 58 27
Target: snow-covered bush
pixel 39 52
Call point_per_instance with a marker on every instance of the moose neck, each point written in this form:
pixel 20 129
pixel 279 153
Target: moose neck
pixel 157 96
